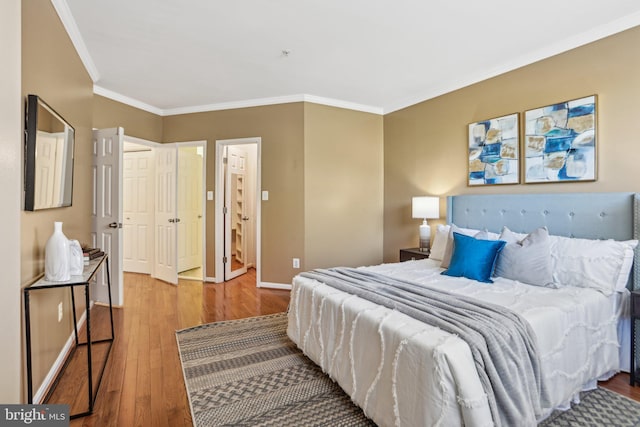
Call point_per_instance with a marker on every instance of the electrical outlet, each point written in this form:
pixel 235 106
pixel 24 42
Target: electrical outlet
pixel 296 263
pixel 60 312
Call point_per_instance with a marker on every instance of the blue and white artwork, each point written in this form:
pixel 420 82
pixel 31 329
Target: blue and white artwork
pixel 560 142
pixel 494 151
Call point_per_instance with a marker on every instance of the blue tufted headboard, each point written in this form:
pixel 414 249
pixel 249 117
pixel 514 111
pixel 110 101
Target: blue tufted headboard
pixel 587 215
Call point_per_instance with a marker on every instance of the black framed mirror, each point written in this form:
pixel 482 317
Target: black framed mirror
pixel 49 145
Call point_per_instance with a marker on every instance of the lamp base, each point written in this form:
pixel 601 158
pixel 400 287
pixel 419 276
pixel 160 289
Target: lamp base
pixel 425 236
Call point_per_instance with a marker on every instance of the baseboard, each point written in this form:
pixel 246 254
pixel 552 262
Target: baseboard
pixel 59 363
pixel 210 279
pixel 274 285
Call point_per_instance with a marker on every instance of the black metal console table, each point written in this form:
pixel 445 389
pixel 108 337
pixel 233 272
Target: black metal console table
pixel 88 274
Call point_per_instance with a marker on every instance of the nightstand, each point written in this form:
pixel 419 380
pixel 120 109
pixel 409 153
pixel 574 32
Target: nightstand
pixel 634 375
pixel 413 254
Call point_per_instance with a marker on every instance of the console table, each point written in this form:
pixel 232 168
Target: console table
pixel 83 280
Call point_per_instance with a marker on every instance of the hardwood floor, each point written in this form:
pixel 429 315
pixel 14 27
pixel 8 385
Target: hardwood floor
pixel 143 383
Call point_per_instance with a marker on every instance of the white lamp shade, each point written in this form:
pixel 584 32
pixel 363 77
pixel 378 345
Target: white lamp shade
pixel 425 207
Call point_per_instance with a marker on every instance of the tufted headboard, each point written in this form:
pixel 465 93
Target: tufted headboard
pixel 587 215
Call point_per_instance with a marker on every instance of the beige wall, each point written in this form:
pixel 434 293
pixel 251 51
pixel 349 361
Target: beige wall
pixel 307 215
pixel 426 144
pixel 281 130
pixel 52 70
pixel 343 187
pixel 108 113
pixel 11 144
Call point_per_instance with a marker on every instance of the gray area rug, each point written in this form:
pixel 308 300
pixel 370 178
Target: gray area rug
pixel 248 373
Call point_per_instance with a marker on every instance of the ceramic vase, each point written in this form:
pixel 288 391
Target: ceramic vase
pixel 56 256
pixel 76 258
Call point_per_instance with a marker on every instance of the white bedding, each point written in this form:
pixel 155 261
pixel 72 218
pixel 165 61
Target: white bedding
pixel 403 372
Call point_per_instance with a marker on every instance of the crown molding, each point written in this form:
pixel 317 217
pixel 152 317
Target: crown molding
pixel 99 90
pixel 233 105
pixel 273 101
pixel 63 11
pixel 343 104
pixel 573 42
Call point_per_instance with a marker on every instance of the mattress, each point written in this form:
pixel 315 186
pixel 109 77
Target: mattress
pixel 403 372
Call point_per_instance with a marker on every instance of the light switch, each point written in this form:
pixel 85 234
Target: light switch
pixel 265 195
pixel 209 195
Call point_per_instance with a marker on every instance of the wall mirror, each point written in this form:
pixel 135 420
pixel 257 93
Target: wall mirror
pixel 49 141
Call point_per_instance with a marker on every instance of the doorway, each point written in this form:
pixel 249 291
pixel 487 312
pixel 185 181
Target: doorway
pixel 237 218
pixel 163 209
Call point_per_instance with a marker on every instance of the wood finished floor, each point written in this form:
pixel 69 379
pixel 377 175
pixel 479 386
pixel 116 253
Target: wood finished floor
pixel 143 383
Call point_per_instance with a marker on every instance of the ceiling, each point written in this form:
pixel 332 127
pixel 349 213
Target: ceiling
pixel 172 56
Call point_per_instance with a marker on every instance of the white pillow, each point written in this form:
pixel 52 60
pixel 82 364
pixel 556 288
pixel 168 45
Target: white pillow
pixel 627 263
pixel 478 234
pixel 528 259
pixel 439 242
pixel 599 264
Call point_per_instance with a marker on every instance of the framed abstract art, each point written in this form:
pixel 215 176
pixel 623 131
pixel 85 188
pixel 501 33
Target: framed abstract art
pixel 494 151
pixel 560 142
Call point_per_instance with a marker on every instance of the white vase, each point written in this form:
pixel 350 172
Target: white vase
pixel 56 256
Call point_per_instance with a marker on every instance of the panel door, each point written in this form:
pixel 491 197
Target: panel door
pixel 189 209
pixel 166 256
pixel 106 213
pixel 138 211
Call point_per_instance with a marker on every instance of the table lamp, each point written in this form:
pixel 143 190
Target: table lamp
pixel 425 207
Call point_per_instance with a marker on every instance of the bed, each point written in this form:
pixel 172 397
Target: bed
pixel 402 371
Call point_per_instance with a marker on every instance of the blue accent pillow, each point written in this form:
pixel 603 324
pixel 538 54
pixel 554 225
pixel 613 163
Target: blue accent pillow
pixel 473 258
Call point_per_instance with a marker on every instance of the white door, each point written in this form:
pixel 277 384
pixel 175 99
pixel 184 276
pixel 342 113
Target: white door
pixel 49 160
pixel 138 211
pixel 106 212
pixel 189 208
pixel 166 258
pixel 235 216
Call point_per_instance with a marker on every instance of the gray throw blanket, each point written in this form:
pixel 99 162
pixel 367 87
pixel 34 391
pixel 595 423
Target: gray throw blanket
pixel 502 343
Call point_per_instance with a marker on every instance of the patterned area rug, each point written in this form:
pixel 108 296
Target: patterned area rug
pixel 248 373
pixel 599 407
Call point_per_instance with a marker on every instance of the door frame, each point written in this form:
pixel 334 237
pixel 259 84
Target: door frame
pixel 219 204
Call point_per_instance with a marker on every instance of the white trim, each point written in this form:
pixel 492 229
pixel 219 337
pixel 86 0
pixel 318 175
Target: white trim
pixel 344 104
pixel 210 280
pixel 234 104
pixel 63 11
pixel 528 58
pixel 48 380
pixel 596 33
pixel 274 285
pixel 98 90
pixel 219 203
pixel 140 141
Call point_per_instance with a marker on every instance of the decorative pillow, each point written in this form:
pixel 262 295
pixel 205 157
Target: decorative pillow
pixel 479 234
pixel 527 260
pixel 603 265
pixel 439 242
pixel 473 258
pixel 627 263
